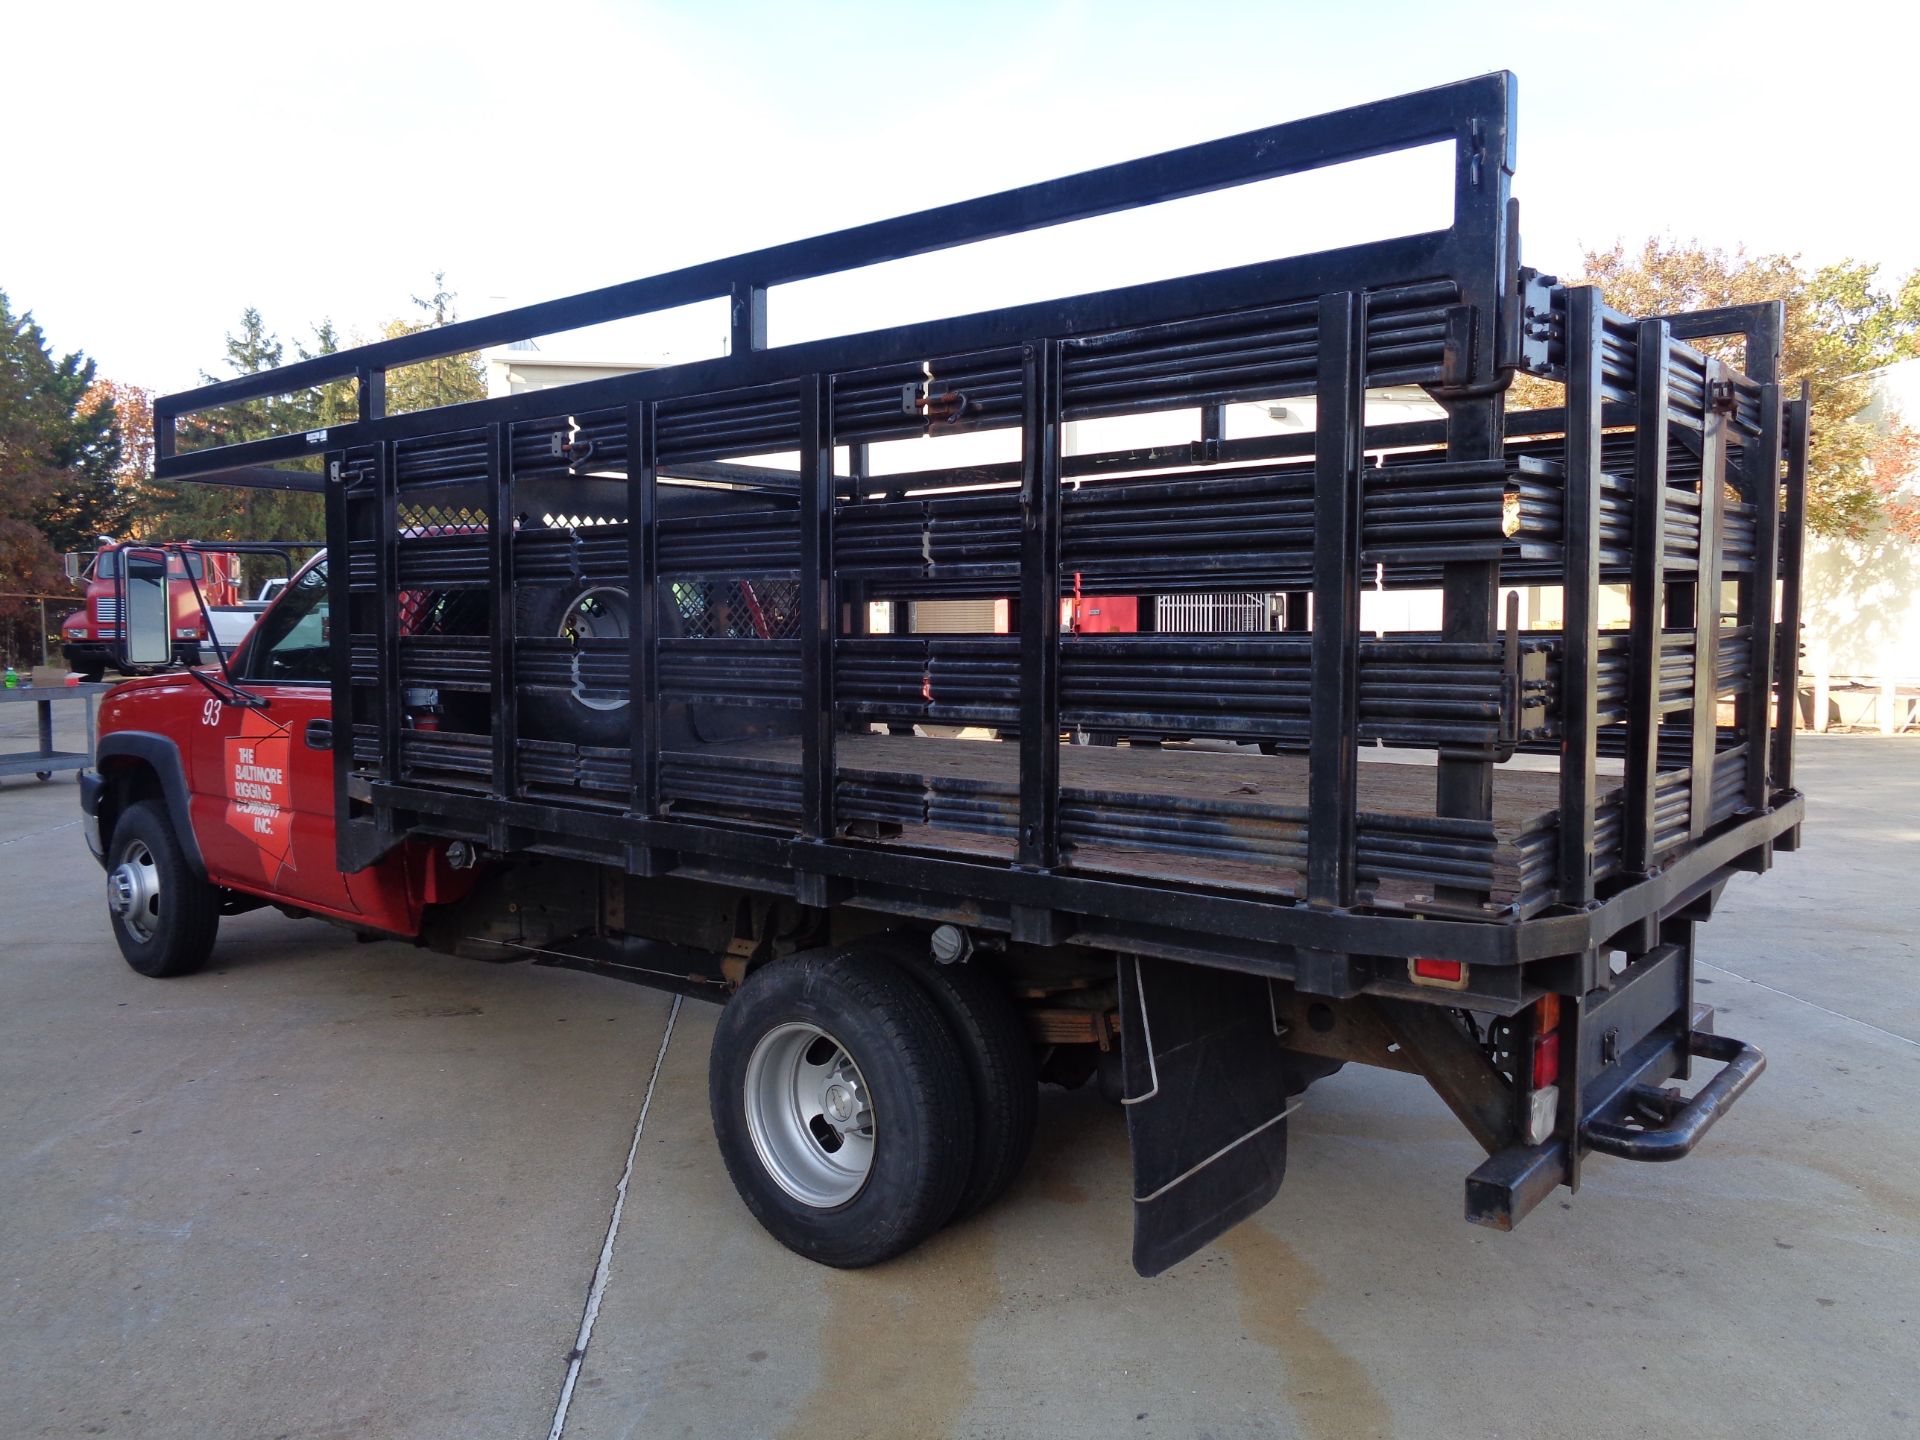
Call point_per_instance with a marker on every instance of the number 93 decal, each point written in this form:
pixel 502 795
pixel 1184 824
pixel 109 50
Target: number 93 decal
pixel 210 712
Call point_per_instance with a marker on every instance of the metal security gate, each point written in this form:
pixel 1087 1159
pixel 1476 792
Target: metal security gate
pixel 1235 612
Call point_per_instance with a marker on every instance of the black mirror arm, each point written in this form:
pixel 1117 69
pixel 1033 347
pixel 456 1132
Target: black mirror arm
pixel 224 687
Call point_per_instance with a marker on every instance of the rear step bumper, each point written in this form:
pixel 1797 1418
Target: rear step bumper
pixel 1629 1113
pixel 1655 1123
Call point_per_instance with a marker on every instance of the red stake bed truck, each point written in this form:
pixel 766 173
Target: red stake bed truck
pixel 627 677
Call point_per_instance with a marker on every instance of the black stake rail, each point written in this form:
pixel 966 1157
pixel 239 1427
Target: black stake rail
pixel 750 602
pixel 1475 115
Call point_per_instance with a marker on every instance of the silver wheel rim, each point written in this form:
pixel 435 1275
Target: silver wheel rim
pixel 602 613
pixel 133 891
pixel 810 1115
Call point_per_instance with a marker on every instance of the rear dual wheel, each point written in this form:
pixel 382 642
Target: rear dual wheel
pixel 863 1098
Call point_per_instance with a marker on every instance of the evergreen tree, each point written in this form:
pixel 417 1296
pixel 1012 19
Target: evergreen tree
pixel 59 451
pixel 451 380
pixel 198 511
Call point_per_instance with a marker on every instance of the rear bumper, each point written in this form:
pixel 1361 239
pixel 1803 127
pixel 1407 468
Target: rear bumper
pixel 87 656
pixel 1629 1042
pixel 1653 1123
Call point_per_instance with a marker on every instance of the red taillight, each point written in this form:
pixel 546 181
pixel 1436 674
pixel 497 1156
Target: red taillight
pixel 1546 1060
pixel 1441 972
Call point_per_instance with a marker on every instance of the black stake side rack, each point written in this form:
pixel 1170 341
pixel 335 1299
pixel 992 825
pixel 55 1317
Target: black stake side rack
pixel 739 504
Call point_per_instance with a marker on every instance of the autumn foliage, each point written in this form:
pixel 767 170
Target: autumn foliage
pixel 1841 324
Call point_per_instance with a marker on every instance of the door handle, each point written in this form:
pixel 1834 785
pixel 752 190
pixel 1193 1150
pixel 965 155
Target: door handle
pixel 320 734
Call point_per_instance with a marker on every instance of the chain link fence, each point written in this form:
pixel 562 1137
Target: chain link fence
pixel 735 609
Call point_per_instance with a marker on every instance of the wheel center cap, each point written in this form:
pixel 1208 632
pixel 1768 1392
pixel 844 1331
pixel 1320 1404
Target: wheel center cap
pixel 121 889
pixel 839 1102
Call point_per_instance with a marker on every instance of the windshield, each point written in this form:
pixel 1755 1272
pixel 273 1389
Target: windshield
pixel 290 644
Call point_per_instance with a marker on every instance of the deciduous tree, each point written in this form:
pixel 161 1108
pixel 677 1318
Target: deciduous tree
pixel 1841 323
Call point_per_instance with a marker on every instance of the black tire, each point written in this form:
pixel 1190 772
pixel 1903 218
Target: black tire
pixel 93 677
pixel 164 915
pixel 998 1054
pixel 911 1069
pixel 555 714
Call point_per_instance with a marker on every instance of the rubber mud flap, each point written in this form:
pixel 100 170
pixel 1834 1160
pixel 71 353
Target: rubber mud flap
pixel 1206 1101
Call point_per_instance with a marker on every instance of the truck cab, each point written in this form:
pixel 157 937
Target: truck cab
pixel 92 637
pixel 238 762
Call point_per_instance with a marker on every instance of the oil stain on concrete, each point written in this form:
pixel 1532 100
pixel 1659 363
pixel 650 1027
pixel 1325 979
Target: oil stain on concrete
pixel 1332 1395
pixel 896 1342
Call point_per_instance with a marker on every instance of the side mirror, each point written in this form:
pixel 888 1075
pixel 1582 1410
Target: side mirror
pixel 148 618
pixel 70 562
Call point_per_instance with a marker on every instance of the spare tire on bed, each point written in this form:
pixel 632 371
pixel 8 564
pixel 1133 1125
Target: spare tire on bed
pixel 581 716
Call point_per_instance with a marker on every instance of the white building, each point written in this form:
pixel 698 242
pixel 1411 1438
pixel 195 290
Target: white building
pixel 1861 604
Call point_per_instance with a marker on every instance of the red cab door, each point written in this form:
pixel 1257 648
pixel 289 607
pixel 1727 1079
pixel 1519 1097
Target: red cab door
pixel 263 777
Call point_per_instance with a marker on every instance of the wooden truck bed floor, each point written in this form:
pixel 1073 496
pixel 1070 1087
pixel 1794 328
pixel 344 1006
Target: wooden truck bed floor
pixel 1236 819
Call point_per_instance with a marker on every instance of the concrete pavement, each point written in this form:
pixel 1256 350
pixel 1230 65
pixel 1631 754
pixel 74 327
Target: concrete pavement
pixel 330 1189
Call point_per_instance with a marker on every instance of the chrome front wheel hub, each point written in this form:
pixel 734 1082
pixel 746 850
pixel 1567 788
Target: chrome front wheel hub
pixel 133 891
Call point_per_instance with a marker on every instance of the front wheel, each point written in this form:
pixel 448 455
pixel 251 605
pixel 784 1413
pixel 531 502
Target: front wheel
pixel 164 916
pixel 842 1106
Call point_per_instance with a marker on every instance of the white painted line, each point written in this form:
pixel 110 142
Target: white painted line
pixel 1789 995
pixel 596 1292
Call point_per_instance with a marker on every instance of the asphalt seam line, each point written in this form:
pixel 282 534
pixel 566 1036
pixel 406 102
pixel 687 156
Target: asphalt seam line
pixel 1810 1004
pixel 596 1292
pixel 35 834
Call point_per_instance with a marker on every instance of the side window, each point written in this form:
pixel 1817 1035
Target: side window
pixel 291 644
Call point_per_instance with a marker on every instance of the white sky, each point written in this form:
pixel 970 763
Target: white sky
pixel 166 165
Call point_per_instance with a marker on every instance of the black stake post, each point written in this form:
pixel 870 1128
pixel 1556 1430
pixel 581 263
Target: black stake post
pixel 643 608
pixel 346 705
pixel 1706 603
pixel 506 710
pixel 818 612
pixel 1039 841
pixel 1333 764
pixel 1792 547
pixel 1763 457
pixel 1647 594
pixel 386 541
pixel 1469 593
pixel 1580 666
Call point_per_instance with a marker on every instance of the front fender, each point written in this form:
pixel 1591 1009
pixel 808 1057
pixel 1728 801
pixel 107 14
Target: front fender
pixel 122 748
